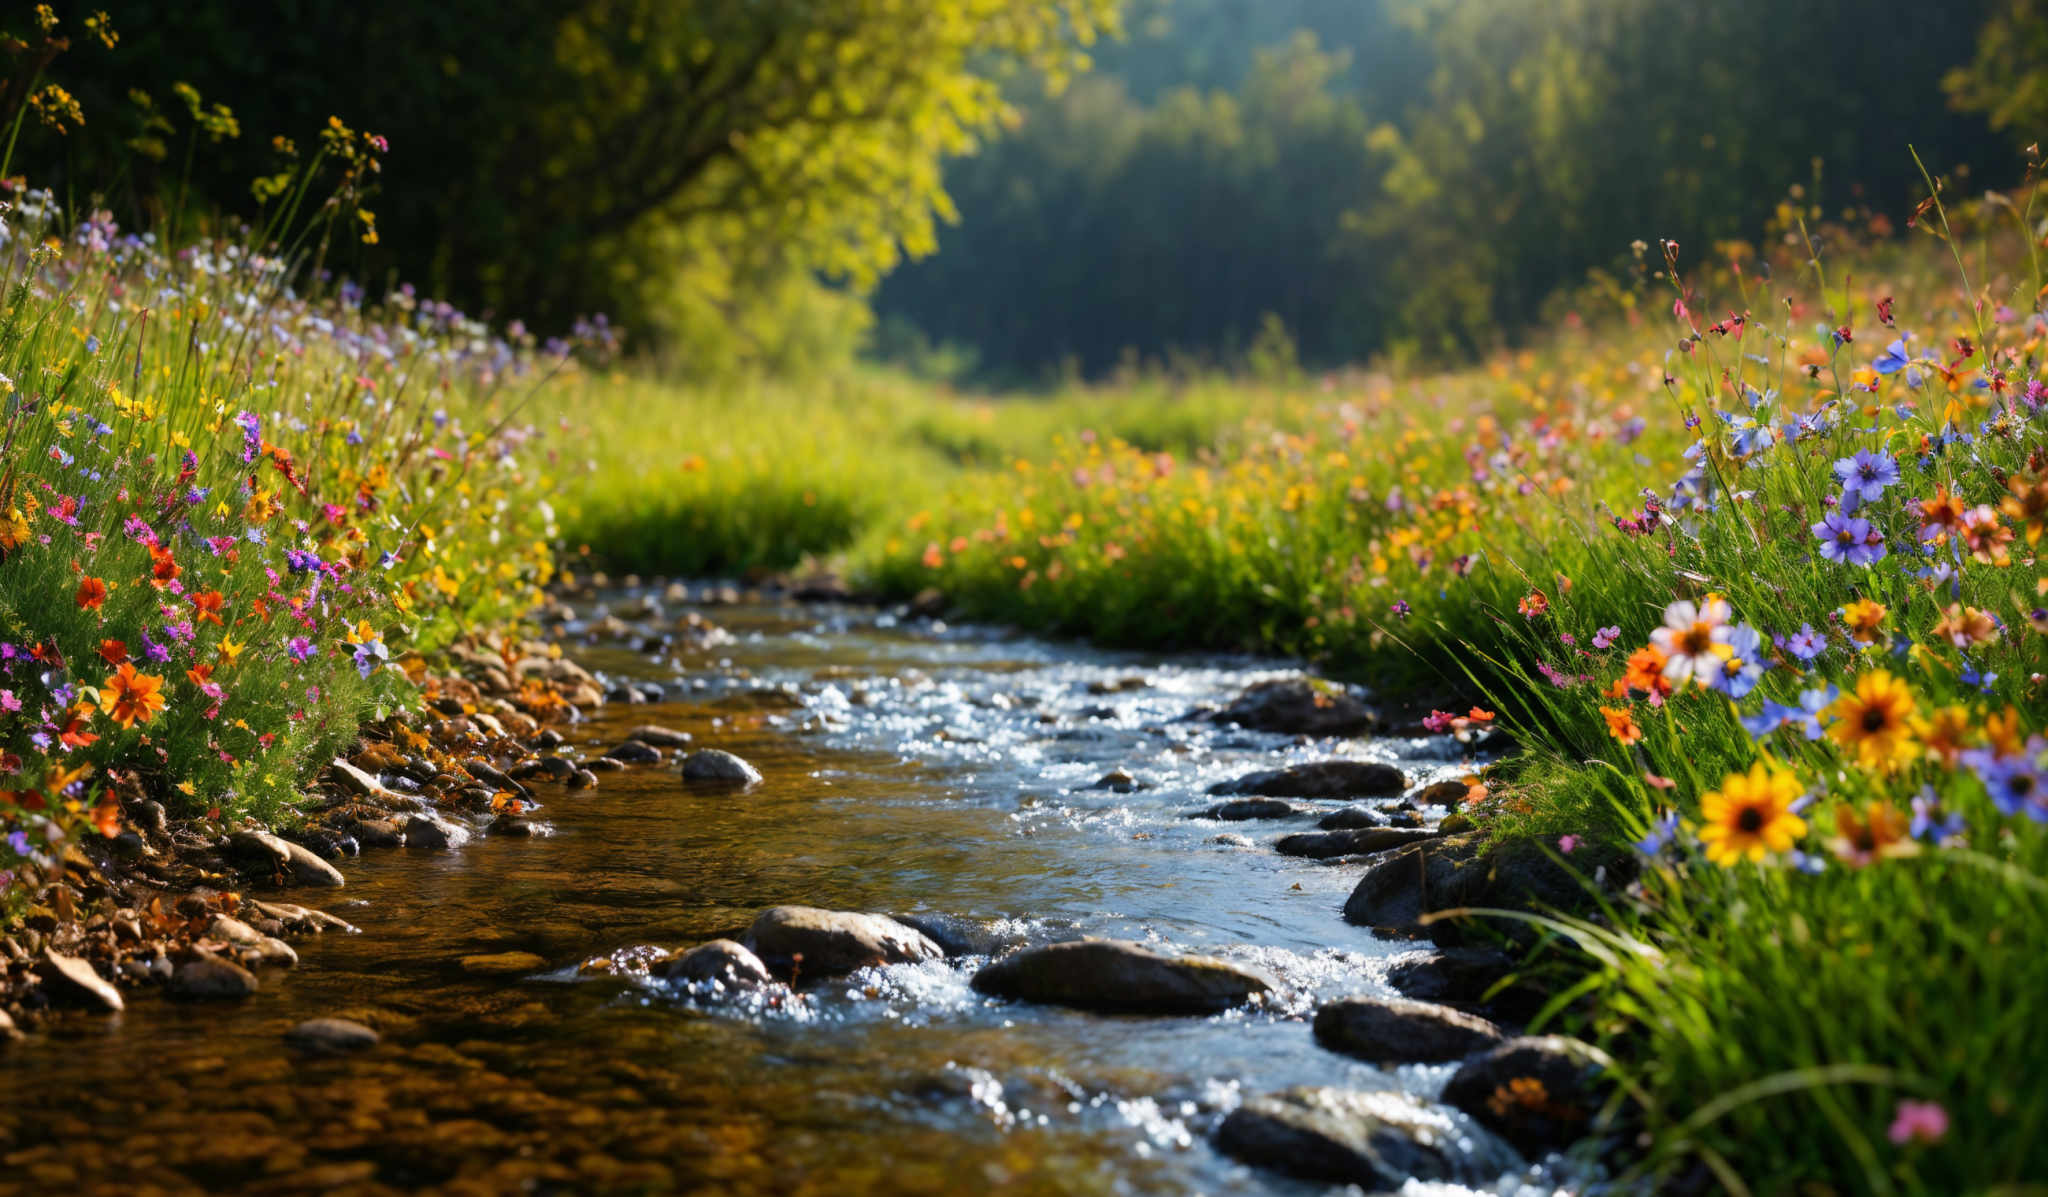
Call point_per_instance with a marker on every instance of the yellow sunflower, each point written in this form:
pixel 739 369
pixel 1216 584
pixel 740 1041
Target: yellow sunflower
pixel 1875 720
pixel 1751 815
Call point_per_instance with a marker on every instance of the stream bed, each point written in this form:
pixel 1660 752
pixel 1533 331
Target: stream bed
pixel 911 768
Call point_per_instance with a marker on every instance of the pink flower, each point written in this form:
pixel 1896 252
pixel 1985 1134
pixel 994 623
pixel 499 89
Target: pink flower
pixel 1924 1121
pixel 1565 843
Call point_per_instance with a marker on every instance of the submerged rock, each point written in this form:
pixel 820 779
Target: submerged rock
pixel 268 949
pixel 206 975
pixel 1378 1141
pixel 1118 976
pixel 635 752
pixel 1247 808
pixel 716 764
pixel 331 1035
pixel 660 737
pixel 1400 1031
pixel 1322 779
pixel 804 942
pixel 1359 841
pixel 421 832
pixel 1538 1092
pixel 1298 706
pixel 1117 781
pixel 503 964
pixel 720 960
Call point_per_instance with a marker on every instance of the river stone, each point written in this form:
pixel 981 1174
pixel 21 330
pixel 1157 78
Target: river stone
pixel 716 764
pixel 1241 809
pixel 806 942
pixel 8 1031
pixel 1352 818
pixel 1443 793
pixel 1117 781
pixel 1298 706
pixel 1462 975
pixel 633 752
pixel 660 737
pixel 422 832
pixel 73 982
pixel 720 960
pixel 1377 1141
pixel 1118 976
pixel 259 849
pixel 1401 886
pixel 1400 1031
pixel 504 964
pixel 1538 1092
pixel 376 833
pixel 1322 779
pixel 206 975
pixel 1359 841
pixel 234 931
pixel 331 1035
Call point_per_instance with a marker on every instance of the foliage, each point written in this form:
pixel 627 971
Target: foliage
pixel 2007 80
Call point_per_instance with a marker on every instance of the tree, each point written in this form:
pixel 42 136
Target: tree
pixel 2007 81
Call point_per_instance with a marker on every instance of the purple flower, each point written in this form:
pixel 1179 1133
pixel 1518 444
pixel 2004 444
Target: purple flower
pixel 1400 608
pixel 2014 782
pixel 300 648
pixel 18 842
pixel 1849 540
pixel 1893 359
pixel 1931 822
pixel 1865 476
pixel 1806 644
pixel 368 654
pixel 1661 833
pixel 1606 636
pixel 252 434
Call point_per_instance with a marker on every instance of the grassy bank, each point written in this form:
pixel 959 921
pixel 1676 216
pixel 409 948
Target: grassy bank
pixel 233 515
pixel 1752 573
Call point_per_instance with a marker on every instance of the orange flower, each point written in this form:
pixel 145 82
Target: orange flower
pixel 1533 604
pixel 1479 715
pixel 132 697
pixel 1881 832
pixel 199 675
pixel 1621 724
pixel 1646 670
pixel 73 733
pixel 113 652
pixel 1863 618
pixel 1945 734
pixel 2029 504
pixel 162 569
pixel 206 607
pixel 92 594
pixel 1966 626
pixel 1941 516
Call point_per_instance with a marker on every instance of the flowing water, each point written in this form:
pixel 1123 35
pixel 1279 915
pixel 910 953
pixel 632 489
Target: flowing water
pixel 910 768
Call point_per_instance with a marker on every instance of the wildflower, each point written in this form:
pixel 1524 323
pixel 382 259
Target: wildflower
pixel 162 568
pixel 1399 609
pixel 92 594
pixel 1621 724
pixel 1985 536
pixel 1739 668
pixel 1751 815
pixel 206 607
pixel 1965 627
pixel 1863 618
pixel 1567 843
pixel 1806 644
pixel 1849 540
pixel 1945 734
pixel 1533 604
pixel 131 696
pixel 230 650
pixel 1606 636
pixel 1918 1122
pixel 1863 840
pixel 1662 832
pixel 113 652
pixel 1865 477
pixel 1646 671
pixel 1894 358
pixel 1689 637
pixel 2014 779
pixel 2028 505
pixel 1941 516
pixel 1875 720
pixel 300 649
pixel 1931 821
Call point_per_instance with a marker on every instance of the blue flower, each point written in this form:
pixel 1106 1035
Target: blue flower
pixel 1662 832
pixel 1893 359
pixel 1806 644
pixel 1865 476
pixel 1741 666
pixel 1931 821
pixel 1849 540
pixel 1812 703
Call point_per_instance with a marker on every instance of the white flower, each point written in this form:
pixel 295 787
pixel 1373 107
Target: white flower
pixel 1690 637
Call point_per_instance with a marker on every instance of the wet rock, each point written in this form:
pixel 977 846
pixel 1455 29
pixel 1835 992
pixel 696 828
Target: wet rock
pixel 715 764
pixel 1377 1141
pixel 1461 975
pixel 1442 793
pixel 1351 818
pixel 604 764
pixel 1117 781
pixel 1401 1031
pixel 1400 887
pixel 512 826
pixel 660 737
pixel 269 949
pixel 301 918
pixel 8 1031
pixel 633 752
pixel 625 694
pixel 376 833
pixel 260 849
pixel 150 817
pixel 206 975
pixel 1115 975
pixel 557 768
pixel 1359 841
pixel 1247 808
pixel 1231 839
pixel 929 603
pixel 720 960
pixel 1298 706
pixel 1537 1092
pixel 1463 870
pixel 1323 779
pixel 490 775
pixel 331 1035
pixel 422 832
pixel 503 964
pixel 804 942
pixel 582 779
pixel 73 982
pixel 548 738
pixel 961 937
pixel 354 781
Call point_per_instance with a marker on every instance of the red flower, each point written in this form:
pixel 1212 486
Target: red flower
pixel 162 569
pixel 113 652
pixel 73 733
pixel 206 607
pixel 92 594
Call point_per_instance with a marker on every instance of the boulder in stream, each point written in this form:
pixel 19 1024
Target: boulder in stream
pixel 718 765
pixel 74 982
pixel 1241 809
pixel 1320 779
pixel 1120 977
pixel 206 975
pixel 1400 1031
pixel 634 752
pixel 1538 1092
pixel 720 960
pixel 1359 841
pixel 804 942
pixel 331 1035
pixel 1299 706
pixel 1377 1141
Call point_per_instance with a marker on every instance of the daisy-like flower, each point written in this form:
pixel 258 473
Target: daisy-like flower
pixel 1876 834
pixel 130 697
pixel 1806 644
pixel 2028 505
pixel 1849 540
pixel 1606 636
pixel 1621 724
pixel 1646 671
pixel 1863 618
pixel 2014 779
pixel 1941 516
pixel 1751 816
pixel 1986 536
pixel 1966 626
pixel 1865 476
pixel 1875 720
pixel 1689 638
pixel 92 594
pixel 1740 663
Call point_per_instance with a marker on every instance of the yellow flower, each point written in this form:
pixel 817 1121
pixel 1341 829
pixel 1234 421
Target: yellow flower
pixel 1945 733
pixel 1863 618
pixel 230 651
pixel 1751 815
pixel 1875 720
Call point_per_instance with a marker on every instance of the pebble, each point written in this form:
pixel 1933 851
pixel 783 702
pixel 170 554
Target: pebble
pixel 331 1035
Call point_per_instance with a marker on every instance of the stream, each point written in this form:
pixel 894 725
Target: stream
pixel 911 768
